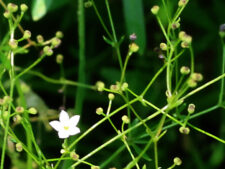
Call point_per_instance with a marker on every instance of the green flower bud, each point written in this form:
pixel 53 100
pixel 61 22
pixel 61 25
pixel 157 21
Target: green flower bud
pixel 125 119
pixel 19 147
pixel 59 34
pixel 74 156
pixel 48 51
pixel 114 87
pixel 12 7
pixel 100 86
pixel 26 34
pixel 181 35
pixel 175 25
pixel 177 161
pixel 111 96
pixel 59 58
pixel 88 4
pixel 185 44
pixel 32 110
pixel 184 70
pixel 191 108
pixel 163 46
pixel 99 111
pixel 17 118
pixel 19 109
pixel 155 9
pixel 6 14
pixel 133 47
pixel 7 99
pixel 56 42
pixel 40 39
pixel 5 115
pixel 192 83
pixel 13 44
pixel 197 77
pixel 23 7
pixel 184 130
pixel 124 86
pixel 182 3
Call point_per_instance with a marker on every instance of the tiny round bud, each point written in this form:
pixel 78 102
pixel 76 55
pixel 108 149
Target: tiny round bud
pixel 95 167
pixel 59 34
pixel 19 109
pixel 155 9
pixel 12 7
pixel 191 83
pixel 56 42
pixel 13 44
pixel 17 118
pixel 197 77
pixel 125 119
pixel 177 161
pixel 184 70
pixel 23 7
pixel 175 25
pixel 114 87
pixel 74 156
pixel 40 39
pixel 191 108
pixel 181 35
pixel 32 110
pixel 111 96
pixel 7 99
pixel 62 151
pixel 100 86
pixel 19 147
pixel 59 58
pixel 27 34
pixel 185 45
pixel 6 14
pixel 48 51
pixel 124 86
pixel 133 37
pixel 163 46
pixel 88 4
pixel 182 2
pixel 133 47
pixel 5 115
pixel 99 111
pixel 184 130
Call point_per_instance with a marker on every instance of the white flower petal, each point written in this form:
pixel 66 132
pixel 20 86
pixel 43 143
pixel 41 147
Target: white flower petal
pixel 63 117
pixel 63 134
pixel 74 130
pixel 56 125
pixel 74 120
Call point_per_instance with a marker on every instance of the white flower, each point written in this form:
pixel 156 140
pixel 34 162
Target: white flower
pixel 66 126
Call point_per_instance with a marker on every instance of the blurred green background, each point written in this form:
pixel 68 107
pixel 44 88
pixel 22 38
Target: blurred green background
pixel 200 19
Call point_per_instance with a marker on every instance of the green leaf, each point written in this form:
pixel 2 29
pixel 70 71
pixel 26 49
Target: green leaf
pixel 39 8
pixel 134 20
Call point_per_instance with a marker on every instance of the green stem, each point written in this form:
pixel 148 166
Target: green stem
pixel 222 72
pixel 81 69
pixel 101 21
pixel 114 35
pixel 125 66
pixel 156 155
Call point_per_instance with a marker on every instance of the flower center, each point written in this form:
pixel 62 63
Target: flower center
pixel 66 127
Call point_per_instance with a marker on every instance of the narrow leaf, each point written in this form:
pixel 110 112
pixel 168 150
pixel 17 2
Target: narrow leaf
pixel 134 20
pixel 39 8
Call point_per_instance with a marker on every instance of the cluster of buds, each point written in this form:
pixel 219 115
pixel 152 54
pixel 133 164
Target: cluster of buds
pixel 12 8
pixel 185 38
pixel 194 79
pixel 119 87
